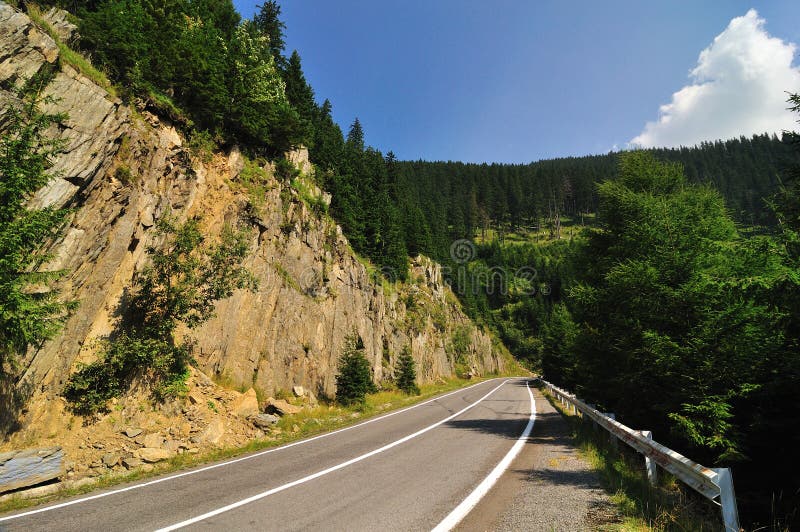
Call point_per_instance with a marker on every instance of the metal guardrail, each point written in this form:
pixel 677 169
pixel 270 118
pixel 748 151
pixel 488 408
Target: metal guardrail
pixel 715 484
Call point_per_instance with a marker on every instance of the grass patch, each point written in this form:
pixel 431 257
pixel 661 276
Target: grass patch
pixel 68 55
pixel 313 201
pixel 323 418
pixel 287 277
pixel 667 506
pixel 256 182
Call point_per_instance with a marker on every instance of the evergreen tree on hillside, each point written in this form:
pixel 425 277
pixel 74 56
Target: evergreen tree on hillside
pixel 328 144
pixel 658 303
pixel 354 380
pixel 267 20
pixel 406 373
pixel 355 137
pixel 300 95
pixel 31 310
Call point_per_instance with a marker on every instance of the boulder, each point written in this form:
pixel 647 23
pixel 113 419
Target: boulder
pixel 196 397
pixel 246 404
pixel 110 459
pixel 153 440
pixel 264 421
pixel 132 432
pixel 280 407
pixel 172 445
pixel 214 432
pixel 298 391
pixel 19 469
pixel 131 462
pixel 59 21
pixel 151 455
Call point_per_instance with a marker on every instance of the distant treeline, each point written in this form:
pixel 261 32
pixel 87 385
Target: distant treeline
pixel 463 199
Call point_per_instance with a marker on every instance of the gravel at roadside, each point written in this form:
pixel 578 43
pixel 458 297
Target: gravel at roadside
pixel 548 487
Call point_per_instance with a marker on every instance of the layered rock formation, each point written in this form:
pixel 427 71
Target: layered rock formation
pixel 123 168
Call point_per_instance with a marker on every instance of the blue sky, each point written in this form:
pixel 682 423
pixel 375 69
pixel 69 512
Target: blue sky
pixel 517 81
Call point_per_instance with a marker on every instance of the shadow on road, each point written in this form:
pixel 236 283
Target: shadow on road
pixel 505 428
pixel 511 427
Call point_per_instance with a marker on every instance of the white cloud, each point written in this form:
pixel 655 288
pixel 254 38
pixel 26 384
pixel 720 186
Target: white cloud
pixel 738 88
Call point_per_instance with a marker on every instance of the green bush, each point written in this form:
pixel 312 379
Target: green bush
pixel 354 380
pixel 131 355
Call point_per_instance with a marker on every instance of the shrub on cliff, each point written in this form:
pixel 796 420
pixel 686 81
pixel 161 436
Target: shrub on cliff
pixel 185 279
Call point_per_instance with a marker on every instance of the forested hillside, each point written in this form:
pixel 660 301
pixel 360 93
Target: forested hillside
pixel 460 200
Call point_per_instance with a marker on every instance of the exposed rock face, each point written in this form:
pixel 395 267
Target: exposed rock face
pixel 19 469
pixel 123 170
pixel 59 21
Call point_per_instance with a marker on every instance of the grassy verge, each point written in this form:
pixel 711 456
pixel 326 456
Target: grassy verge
pixel 68 55
pixel 666 506
pixel 308 423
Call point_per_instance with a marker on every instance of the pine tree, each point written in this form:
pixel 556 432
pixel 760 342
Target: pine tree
pixel 268 22
pixel 406 374
pixel 355 137
pixel 354 380
pixel 31 311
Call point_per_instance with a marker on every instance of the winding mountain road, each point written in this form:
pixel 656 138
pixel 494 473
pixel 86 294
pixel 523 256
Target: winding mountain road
pixel 412 469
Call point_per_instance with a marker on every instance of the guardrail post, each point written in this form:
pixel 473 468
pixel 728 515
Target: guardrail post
pixel 611 438
pixel 595 426
pixel 649 463
pixel 727 498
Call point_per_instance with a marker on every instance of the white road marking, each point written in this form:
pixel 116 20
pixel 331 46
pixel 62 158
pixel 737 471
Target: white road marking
pixel 235 460
pixel 318 474
pixel 466 506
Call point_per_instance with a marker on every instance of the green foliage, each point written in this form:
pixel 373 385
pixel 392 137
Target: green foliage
pixel 354 380
pixel 30 310
pixel 195 55
pixel 459 345
pixel 128 356
pixel 406 373
pixel 68 55
pixel 656 301
pixel 202 144
pixel 123 174
pixel 185 278
pixel 260 112
pixel 180 285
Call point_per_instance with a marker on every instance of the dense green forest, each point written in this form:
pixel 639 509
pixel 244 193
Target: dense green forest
pixel 661 285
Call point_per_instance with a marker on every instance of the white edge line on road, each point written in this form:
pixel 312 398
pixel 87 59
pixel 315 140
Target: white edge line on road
pixel 466 506
pixel 318 474
pixel 235 460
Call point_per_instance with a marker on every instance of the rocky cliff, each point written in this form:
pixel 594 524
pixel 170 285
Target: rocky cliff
pixel 124 167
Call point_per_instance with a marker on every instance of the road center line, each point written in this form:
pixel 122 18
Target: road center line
pixel 235 460
pixel 466 506
pixel 318 474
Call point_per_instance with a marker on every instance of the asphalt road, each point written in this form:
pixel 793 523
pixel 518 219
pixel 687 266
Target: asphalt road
pixel 404 471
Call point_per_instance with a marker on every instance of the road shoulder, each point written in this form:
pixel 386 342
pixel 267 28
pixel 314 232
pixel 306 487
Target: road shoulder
pixel 548 487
